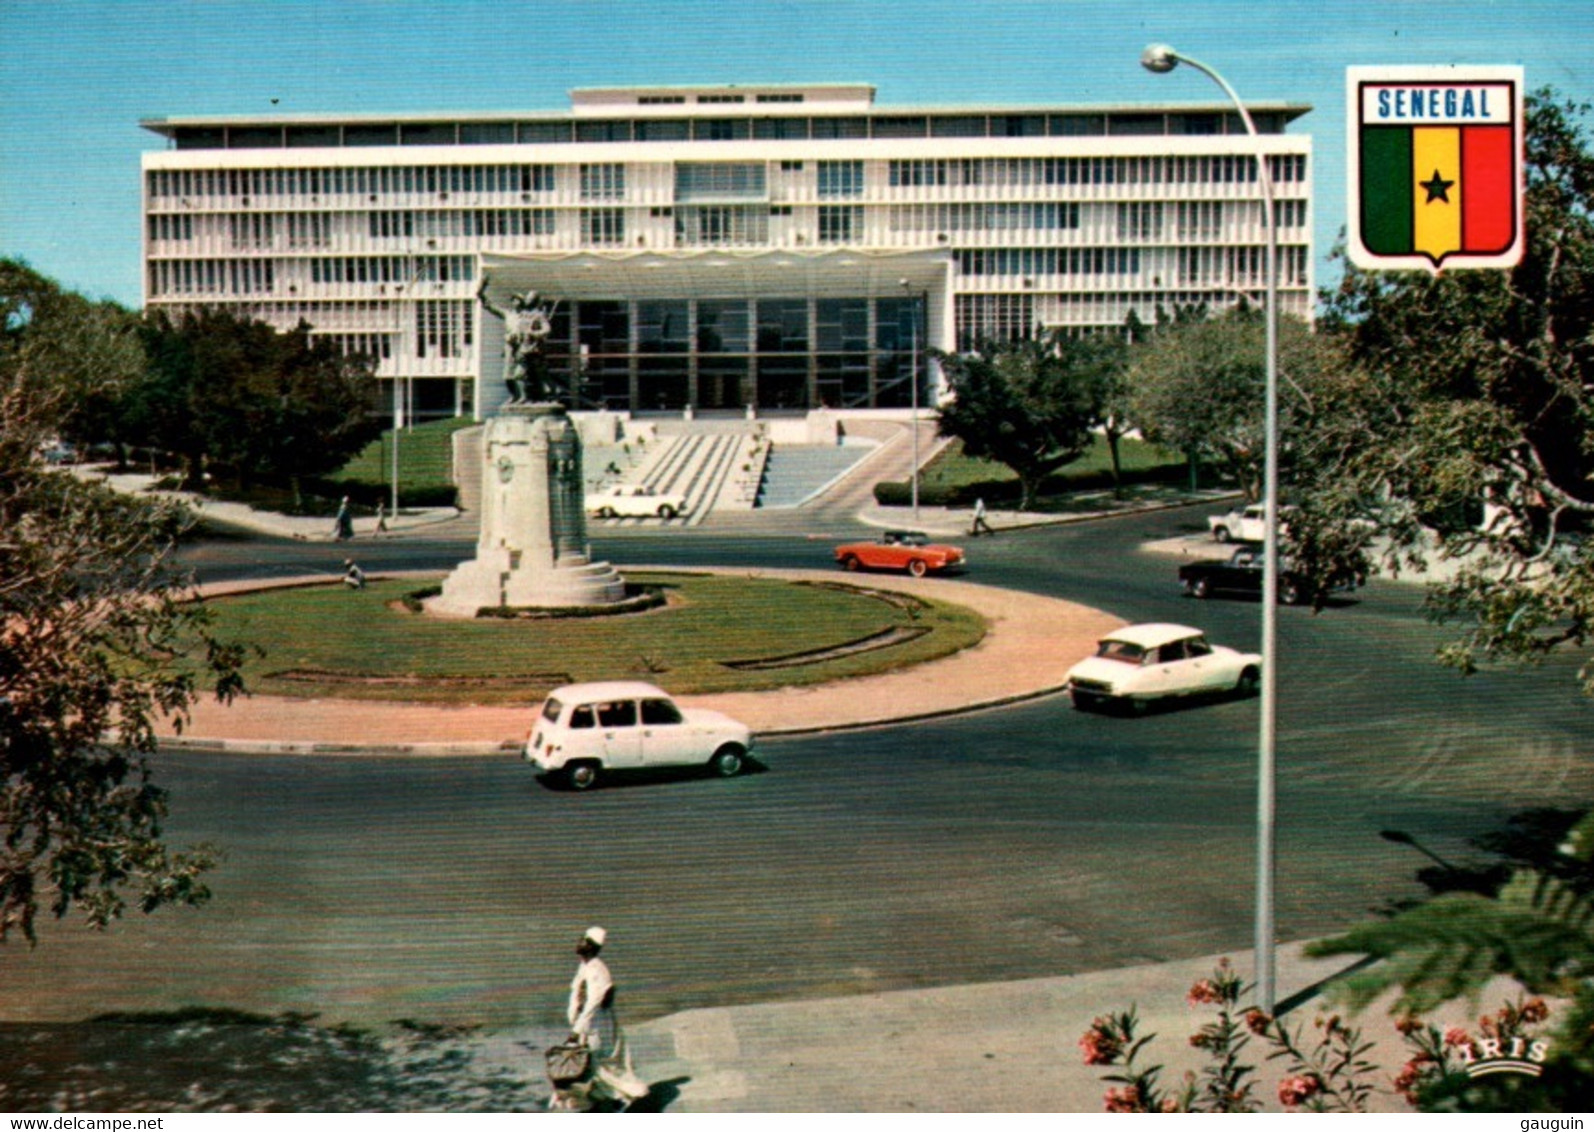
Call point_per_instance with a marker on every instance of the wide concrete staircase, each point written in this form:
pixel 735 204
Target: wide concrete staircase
pixel 711 469
pixel 724 467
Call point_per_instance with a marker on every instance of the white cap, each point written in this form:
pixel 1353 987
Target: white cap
pixel 597 935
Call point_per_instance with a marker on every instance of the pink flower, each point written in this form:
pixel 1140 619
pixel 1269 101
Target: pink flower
pixel 1296 1091
pixel 1534 1011
pixel 1456 1036
pixel 1203 993
pixel 1257 1021
pixel 1099 1047
pixel 1407 1079
pixel 1126 1099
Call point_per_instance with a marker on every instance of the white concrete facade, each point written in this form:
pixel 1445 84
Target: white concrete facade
pixel 700 240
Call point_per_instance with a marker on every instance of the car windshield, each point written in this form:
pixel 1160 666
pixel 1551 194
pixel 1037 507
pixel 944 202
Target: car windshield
pixel 1120 650
pixel 905 538
pixel 551 710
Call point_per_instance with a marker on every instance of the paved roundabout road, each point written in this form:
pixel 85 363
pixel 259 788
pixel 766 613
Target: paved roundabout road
pixel 1021 841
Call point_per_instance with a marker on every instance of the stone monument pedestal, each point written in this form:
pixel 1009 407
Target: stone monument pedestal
pixel 533 550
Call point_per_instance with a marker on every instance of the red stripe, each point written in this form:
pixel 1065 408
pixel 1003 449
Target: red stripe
pixel 1488 189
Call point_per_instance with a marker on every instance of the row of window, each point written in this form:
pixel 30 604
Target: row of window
pixel 707 224
pixel 1048 261
pixel 393 269
pixel 457 223
pixel 775 325
pixel 378 346
pixel 607 180
pixel 589 130
pixel 1244 263
pixel 986 318
pixel 372 181
pixel 1024 172
pixel 983 216
pixel 212 277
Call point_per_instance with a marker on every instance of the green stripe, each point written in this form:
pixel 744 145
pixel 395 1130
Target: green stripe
pixel 1386 190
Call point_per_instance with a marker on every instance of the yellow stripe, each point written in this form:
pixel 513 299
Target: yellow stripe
pixel 1436 222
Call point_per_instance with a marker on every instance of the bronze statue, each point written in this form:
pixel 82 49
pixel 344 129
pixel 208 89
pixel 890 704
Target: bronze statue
pixel 527 325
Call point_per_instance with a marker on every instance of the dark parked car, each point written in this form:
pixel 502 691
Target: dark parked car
pixel 1242 574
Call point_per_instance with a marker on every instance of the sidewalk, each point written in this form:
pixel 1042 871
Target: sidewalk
pixel 990 1047
pixel 954 522
pixel 307 528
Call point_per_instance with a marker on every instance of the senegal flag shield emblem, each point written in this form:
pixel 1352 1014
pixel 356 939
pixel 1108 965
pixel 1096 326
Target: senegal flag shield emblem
pixel 1435 166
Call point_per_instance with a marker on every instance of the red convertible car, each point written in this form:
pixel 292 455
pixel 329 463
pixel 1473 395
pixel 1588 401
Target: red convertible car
pixel 900 550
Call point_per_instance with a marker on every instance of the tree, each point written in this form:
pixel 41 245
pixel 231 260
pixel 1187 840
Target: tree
pixel 98 642
pixel 1478 388
pixel 1198 385
pixel 232 392
pixel 90 349
pixel 1029 405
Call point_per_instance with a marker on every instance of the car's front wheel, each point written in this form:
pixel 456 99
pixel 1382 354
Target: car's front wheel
pixel 1201 588
pixel 666 511
pixel 1248 683
pixel 727 761
pixel 918 567
pixel 605 512
pixel 1291 593
pixel 582 776
pixel 1221 533
pixel 851 564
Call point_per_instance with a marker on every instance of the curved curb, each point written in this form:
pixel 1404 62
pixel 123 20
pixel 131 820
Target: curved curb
pixel 1030 644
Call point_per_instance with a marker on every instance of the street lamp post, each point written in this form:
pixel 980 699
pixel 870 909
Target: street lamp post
pixel 913 383
pixel 1160 59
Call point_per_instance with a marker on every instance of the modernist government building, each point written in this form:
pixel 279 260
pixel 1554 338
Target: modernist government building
pixel 720 248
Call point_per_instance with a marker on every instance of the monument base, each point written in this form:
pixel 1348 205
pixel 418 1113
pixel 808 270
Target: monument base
pixel 533 551
pixel 496 582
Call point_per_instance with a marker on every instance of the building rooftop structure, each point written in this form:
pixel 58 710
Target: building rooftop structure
pixel 635 113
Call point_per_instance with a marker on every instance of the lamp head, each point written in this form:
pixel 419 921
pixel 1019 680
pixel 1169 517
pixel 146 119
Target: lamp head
pixel 1159 58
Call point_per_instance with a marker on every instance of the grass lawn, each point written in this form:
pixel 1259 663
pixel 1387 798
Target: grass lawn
pixel 954 478
pixel 687 647
pixel 425 458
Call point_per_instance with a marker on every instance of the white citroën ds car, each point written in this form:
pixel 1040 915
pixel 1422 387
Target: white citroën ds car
pixel 1142 663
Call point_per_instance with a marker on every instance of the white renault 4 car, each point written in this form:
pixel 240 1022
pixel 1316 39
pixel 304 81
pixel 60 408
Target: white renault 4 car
pixel 587 729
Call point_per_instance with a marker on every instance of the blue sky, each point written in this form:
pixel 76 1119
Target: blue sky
pixel 76 75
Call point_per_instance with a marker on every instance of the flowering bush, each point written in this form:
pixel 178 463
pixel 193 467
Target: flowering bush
pixel 1327 1067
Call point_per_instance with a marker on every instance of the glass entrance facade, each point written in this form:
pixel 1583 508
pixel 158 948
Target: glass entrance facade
pixel 796 354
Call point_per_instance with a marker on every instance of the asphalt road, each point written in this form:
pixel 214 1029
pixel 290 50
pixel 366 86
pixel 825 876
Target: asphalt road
pixel 1027 841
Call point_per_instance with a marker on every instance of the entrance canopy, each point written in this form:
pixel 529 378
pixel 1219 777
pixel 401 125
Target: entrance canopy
pixel 723 273
pixel 721 329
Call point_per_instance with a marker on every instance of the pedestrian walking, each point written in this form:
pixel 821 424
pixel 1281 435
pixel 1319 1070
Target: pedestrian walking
pixel 592 1069
pixel 381 519
pixel 353 576
pixel 343 524
pixel 591 1007
pixel 980 526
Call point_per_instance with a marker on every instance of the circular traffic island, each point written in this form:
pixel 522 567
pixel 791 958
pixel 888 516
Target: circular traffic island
pixel 694 633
